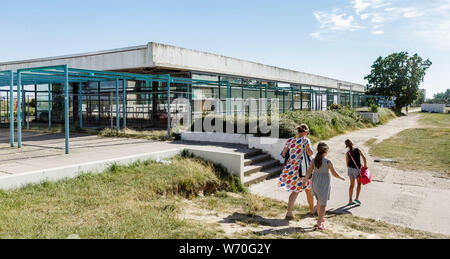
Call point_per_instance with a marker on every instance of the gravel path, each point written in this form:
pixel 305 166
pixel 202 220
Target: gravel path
pixel 420 200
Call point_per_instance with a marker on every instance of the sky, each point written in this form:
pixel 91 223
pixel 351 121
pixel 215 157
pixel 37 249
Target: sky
pixel 339 39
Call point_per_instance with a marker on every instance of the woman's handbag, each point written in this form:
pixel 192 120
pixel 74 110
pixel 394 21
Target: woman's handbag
pixel 365 176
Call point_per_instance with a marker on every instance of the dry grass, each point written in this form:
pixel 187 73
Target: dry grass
pixel 187 199
pixel 421 148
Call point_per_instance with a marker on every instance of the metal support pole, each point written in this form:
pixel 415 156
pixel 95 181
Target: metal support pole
pixel 228 98
pixel 117 107
pixel 80 103
pixel 265 96
pixel 11 108
pixel 66 106
pixel 24 107
pixel 50 106
pixel 124 104
pixel 19 111
pixel 292 99
pixel 169 115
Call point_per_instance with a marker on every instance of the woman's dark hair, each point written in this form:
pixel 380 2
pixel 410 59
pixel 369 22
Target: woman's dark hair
pixel 322 148
pixel 303 128
pixel 349 145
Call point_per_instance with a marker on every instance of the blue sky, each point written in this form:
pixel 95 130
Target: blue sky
pixel 339 39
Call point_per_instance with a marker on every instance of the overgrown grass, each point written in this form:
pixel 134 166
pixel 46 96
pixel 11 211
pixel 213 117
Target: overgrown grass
pixel 138 201
pixel 148 200
pixel 420 148
pixel 441 120
pixel 327 124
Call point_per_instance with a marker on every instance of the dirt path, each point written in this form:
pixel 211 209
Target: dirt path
pixel 419 200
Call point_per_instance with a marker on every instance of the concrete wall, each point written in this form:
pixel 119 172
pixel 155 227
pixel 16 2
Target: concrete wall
pixel 233 162
pixel 166 56
pixel 56 174
pixel 373 116
pixel 439 108
pixel 180 58
pixel 215 137
pixel 272 146
pixel 126 58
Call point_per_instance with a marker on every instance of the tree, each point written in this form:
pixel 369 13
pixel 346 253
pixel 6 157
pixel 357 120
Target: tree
pixel 420 98
pixel 398 76
pixel 442 98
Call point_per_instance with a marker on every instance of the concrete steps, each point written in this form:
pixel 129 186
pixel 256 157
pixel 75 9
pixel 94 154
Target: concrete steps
pixel 259 166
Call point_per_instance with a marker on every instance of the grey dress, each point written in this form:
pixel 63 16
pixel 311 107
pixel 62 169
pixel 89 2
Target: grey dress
pixel 321 180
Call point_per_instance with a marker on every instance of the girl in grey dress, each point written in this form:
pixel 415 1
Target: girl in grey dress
pixel 321 182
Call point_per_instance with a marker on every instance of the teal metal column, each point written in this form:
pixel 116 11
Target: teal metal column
pixel 117 107
pixel 266 95
pixel 228 98
pixel 80 103
pixel 124 105
pixel 50 106
pixel 19 111
pixel 11 108
pixel 292 98
pixel 66 106
pixel 24 108
pixel 168 107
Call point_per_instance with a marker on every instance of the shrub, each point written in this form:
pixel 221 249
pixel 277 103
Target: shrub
pixel 373 108
pixel 335 106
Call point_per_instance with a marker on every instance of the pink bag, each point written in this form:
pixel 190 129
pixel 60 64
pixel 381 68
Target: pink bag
pixel 365 176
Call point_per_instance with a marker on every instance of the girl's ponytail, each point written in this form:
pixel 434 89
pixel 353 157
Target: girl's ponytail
pixel 322 148
pixel 349 145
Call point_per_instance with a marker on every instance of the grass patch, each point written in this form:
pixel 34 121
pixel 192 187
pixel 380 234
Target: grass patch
pixel 186 199
pixel 441 120
pixel 327 124
pixel 421 148
pixel 138 201
pixel 418 149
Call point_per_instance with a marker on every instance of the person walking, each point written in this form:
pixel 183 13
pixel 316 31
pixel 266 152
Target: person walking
pixel 353 158
pixel 296 165
pixel 321 181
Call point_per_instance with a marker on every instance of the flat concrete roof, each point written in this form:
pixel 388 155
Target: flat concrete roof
pixel 157 55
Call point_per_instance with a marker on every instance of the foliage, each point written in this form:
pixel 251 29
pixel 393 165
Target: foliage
pixel 336 106
pixel 373 108
pixel 398 75
pixel 420 98
pixel 442 98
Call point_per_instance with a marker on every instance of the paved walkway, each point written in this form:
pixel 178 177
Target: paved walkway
pixel 420 200
pixel 46 150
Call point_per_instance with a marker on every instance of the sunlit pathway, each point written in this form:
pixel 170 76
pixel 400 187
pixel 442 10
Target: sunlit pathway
pixel 418 200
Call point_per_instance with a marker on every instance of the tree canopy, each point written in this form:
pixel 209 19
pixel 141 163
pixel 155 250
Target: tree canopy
pixel 399 76
pixel 442 98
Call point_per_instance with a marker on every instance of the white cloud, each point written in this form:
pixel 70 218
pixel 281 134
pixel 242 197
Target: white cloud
pixel 361 5
pixel 364 16
pixel 376 14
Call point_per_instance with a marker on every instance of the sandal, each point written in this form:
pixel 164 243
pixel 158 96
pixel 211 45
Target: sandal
pixel 321 227
pixel 289 217
pixel 351 204
pixel 359 203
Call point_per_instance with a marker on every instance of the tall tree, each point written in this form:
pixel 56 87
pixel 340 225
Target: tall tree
pixel 398 75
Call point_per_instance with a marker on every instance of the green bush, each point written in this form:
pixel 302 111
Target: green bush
pixel 373 108
pixel 323 124
pixel 335 106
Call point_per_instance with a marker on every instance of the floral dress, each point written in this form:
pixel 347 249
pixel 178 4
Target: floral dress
pixel 295 168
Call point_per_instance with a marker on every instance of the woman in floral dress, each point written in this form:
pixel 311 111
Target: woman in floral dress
pixel 295 168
